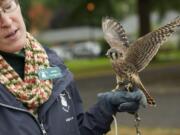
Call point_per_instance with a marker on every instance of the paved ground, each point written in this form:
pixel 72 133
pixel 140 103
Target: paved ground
pixel 164 84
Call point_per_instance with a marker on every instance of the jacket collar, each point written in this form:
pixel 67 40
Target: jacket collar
pixel 59 85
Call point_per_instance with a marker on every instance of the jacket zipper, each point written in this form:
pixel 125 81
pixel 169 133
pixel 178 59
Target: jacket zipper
pixel 43 129
pixel 40 124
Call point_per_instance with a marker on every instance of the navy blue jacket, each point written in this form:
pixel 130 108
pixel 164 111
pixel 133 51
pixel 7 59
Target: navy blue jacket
pixel 62 114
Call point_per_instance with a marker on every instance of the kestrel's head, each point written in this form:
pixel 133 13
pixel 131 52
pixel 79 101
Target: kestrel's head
pixel 114 54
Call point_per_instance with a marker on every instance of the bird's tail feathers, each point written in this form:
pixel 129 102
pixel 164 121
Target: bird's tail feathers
pixel 172 25
pixel 150 99
pixel 162 33
pixel 175 22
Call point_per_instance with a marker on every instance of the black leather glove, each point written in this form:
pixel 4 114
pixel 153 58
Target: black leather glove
pixel 122 101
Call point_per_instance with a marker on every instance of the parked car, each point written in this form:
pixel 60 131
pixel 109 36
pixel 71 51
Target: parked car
pixel 64 52
pixel 86 49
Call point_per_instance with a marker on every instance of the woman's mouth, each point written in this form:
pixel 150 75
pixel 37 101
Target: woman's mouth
pixel 12 35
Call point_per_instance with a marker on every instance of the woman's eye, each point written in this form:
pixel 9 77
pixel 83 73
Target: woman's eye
pixel 8 7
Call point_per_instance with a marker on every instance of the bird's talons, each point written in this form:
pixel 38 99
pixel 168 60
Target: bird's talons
pixel 116 88
pixel 129 87
pixel 120 85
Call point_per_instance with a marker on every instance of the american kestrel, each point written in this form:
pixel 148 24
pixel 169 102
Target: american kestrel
pixel 130 59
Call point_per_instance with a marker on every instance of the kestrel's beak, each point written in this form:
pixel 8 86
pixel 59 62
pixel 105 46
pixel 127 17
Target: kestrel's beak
pixel 107 54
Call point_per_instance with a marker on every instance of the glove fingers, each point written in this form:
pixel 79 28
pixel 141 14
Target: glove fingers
pixel 130 107
pixel 119 97
pixel 143 100
pixel 99 95
pixel 124 101
pixel 137 96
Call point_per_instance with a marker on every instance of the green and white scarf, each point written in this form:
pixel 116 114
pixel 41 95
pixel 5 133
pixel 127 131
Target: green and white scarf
pixel 31 91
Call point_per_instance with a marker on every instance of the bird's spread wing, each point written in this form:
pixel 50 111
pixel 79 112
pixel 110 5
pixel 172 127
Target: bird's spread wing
pixel 146 47
pixel 115 34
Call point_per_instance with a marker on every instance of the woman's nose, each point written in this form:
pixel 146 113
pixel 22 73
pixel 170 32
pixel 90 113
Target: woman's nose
pixel 5 20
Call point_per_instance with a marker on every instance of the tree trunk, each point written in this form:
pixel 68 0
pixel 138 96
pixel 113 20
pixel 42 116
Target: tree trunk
pixel 144 12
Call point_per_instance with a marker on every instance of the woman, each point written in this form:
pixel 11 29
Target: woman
pixel 38 95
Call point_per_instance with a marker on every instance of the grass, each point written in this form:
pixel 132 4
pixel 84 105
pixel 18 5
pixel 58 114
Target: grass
pixel 169 55
pixel 146 131
pixel 83 68
pixel 84 64
pixel 89 67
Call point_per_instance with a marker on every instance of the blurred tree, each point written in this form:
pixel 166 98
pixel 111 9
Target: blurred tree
pixel 123 8
pixel 144 10
pixel 80 13
pixel 81 10
pixel 39 16
pixel 163 6
pixel 145 7
pixel 25 6
pixel 77 13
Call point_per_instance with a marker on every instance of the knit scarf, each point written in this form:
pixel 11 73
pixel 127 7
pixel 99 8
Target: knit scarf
pixel 31 91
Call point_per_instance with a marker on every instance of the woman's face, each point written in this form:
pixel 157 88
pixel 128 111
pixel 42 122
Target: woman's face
pixel 12 27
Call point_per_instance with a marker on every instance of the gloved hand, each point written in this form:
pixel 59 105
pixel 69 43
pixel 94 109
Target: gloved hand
pixel 122 101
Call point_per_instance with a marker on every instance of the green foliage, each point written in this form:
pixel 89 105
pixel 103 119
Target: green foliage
pixel 79 14
pixel 83 68
pixel 55 4
pixel 123 8
pixel 169 55
pixel 49 3
pixel 162 6
pixel 78 10
pixel 87 64
pixel 75 13
pixel 25 6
